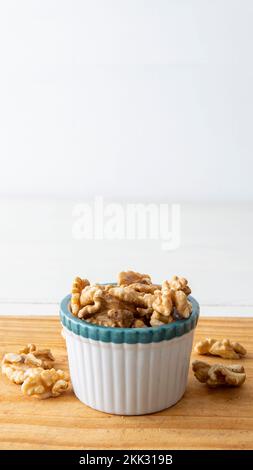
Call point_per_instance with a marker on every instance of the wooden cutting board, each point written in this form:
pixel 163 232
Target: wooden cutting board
pixel 203 419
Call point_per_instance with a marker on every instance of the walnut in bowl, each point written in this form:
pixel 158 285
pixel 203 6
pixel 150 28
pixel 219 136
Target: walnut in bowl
pixel 129 343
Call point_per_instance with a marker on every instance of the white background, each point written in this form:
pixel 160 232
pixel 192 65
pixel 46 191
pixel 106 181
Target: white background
pixel 148 98
pixel 134 100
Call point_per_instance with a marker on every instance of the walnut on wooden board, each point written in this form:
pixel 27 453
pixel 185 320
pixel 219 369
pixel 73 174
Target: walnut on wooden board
pixel 15 365
pixel 44 355
pixel 217 375
pixel 223 348
pixel 14 368
pixel 42 383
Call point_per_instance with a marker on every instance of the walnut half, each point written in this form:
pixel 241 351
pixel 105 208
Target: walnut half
pixel 43 384
pixel 90 300
pixel 77 287
pixel 32 367
pixel 224 348
pixel 15 365
pixel 218 374
pixel 125 278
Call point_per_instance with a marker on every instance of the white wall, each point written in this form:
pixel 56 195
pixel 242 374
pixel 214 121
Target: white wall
pixel 127 99
pixel 39 257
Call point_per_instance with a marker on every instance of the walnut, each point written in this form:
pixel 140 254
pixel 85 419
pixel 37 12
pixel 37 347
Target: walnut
pixel 148 299
pixel 157 319
pixel 15 365
pixel 14 368
pixel 134 293
pixel 106 287
pixel 224 348
pixel 110 302
pixel 139 323
pixel 163 302
pixel 44 355
pixel 182 304
pixel 144 312
pixel 204 346
pixel 201 370
pixel 145 288
pixel 126 294
pixel 219 375
pixel 101 319
pixel 179 283
pixel 77 287
pixel 129 277
pixel 122 318
pixel 44 383
pixel 233 375
pixel 91 301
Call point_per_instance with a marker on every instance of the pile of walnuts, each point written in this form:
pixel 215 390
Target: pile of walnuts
pixel 135 302
pixel 32 368
pixel 215 375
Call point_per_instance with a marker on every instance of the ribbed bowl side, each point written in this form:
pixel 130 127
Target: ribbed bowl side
pixel 129 379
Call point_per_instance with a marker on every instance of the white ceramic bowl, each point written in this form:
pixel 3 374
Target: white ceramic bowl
pixel 128 371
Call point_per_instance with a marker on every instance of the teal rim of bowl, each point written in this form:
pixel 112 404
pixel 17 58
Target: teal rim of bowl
pixel 128 335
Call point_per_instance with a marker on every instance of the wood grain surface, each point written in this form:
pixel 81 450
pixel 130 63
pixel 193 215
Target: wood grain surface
pixel 203 419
